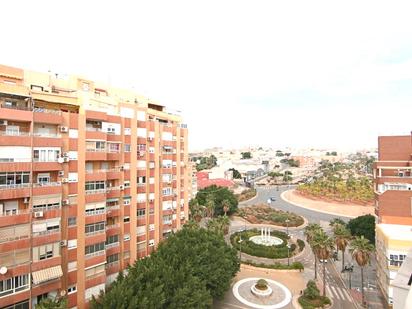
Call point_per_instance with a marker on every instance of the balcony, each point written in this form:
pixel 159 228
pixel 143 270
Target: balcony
pixel 14 191
pixel 96 154
pixel 16 113
pixel 47 140
pixel 95 133
pixel 113 226
pixel 113 192
pixel 44 115
pixel 45 188
pixel 112 245
pixel 15 258
pixel 12 138
pixel 15 217
pixel 95 175
pixel 46 165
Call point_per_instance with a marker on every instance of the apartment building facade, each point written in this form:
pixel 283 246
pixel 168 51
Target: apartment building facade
pixel 393 208
pixel 92 178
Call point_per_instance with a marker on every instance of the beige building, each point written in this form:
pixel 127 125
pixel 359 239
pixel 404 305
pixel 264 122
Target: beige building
pixel 92 178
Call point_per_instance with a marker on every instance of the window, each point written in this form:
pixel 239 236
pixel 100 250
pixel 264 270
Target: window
pixel 141 180
pixel 71 289
pixel 126 237
pixel 14 284
pixel 71 221
pixel 43 178
pixel 141 212
pixel 14 178
pixel 46 154
pixel 95 185
pixel 22 305
pixel 94 248
pixel 167 191
pixel 126 219
pixel 94 271
pixel 151 242
pixel 71 266
pixel 71 244
pixel 46 251
pixel 126 201
pixel 113 147
pixel 127 131
pixel 94 228
pixel 127 148
pixel 112 239
pixel 112 258
pixel 126 184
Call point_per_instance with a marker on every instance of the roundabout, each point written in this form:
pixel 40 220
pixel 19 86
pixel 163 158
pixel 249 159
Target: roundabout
pixel 252 292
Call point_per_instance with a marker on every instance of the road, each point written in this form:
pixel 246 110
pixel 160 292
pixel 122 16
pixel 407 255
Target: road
pixel 335 287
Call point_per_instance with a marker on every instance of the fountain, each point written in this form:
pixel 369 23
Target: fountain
pixel 265 238
pixel 262 293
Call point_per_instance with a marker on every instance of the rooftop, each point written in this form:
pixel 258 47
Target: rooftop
pixel 396 231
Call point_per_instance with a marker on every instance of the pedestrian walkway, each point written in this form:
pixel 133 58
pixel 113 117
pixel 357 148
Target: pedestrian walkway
pixel 337 293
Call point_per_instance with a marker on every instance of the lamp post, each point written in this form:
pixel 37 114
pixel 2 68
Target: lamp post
pixel 288 245
pixel 240 248
pixel 287 226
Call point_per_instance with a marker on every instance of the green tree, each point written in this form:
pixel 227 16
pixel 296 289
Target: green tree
pixel 236 173
pixel 310 231
pixel 188 270
pixel 361 250
pixel 342 238
pixel 218 195
pixel 363 226
pixel 52 303
pixel 246 155
pixel 197 211
pixel 323 246
pixel 219 225
pixel 335 221
pixel 311 291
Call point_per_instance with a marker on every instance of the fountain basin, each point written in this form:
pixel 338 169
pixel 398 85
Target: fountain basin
pixel 261 293
pixel 266 240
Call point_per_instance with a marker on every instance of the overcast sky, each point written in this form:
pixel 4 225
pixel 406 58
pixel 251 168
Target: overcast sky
pixel 244 73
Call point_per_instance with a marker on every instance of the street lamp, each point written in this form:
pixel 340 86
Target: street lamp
pixel 349 270
pixel 287 226
pixel 288 245
pixel 240 248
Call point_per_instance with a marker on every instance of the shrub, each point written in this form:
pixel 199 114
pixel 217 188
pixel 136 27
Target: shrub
pixel 262 284
pixel 277 265
pixel 301 244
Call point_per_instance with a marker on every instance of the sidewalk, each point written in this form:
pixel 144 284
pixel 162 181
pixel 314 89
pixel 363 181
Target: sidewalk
pixel 338 209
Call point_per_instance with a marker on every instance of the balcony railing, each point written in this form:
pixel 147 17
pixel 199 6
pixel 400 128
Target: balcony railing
pixel 16 257
pixel 14 133
pixel 97 253
pixel 14 212
pixel 113 226
pixel 50 135
pixel 48 111
pixel 47 184
pixel 98 191
pixel 96 212
pixel 95 232
pixel 112 245
pixel 47 208
pixel 113 188
pixel 18 107
pixel 109 208
pixel 15 186
pixel 96 149
pixel 47 232
pixel 91 129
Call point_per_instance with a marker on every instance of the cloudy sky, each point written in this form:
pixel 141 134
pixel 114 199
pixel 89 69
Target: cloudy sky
pixel 244 73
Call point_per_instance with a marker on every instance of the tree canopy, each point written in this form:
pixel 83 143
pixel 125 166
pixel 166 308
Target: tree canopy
pixel 217 195
pixel 236 173
pixel 246 155
pixel 188 270
pixel 205 162
pixel 363 225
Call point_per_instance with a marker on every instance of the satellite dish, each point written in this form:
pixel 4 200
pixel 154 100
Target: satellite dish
pixel 62 293
pixel 3 270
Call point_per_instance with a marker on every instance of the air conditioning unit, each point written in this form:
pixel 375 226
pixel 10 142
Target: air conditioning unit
pixel 121 187
pixel 66 160
pixel 63 243
pixel 26 200
pixel 122 168
pixel 38 214
pixel 61 173
pixel 65 180
pixel 65 154
pixel 65 202
pixel 64 129
pixel 150 138
pixel 3 122
pixel 151 200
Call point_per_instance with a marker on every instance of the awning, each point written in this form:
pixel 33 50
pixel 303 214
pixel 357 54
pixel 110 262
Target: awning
pixel 109 200
pixel 47 274
pixel 46 199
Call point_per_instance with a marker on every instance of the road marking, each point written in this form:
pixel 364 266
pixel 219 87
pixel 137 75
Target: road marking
pixel 329 291
pixel 340 293
pixel 334 292
pixel 346 294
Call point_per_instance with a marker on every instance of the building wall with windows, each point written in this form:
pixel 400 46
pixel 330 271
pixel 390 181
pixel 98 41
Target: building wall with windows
pixel 85 170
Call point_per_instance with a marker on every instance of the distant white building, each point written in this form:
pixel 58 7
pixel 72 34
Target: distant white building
pixel 402 292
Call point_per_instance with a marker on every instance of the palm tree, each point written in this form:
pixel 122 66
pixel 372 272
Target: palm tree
pixel 210 206
pixel 323 245
pixel 196 211
pixel 226 206
pixel 342 238
pixel 361 250
pixel 310 231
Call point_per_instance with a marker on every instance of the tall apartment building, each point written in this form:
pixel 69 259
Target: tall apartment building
pixel 393 207
pixel 91 179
